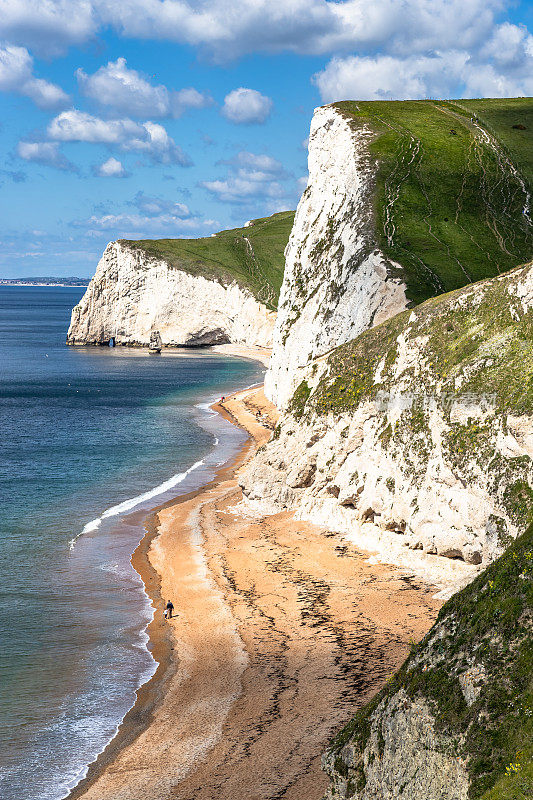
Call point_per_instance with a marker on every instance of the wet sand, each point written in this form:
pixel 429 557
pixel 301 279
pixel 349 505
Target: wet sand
pixel 282 630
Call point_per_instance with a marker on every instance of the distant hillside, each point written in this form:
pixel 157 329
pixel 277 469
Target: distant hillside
pixel 252 256
pixel 454 181
pixel 44 281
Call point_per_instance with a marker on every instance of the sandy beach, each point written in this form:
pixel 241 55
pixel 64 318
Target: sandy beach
pixel 281 631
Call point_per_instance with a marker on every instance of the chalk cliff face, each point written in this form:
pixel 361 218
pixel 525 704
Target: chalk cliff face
pixel 132 294
pixel 337 282
pixel 418 435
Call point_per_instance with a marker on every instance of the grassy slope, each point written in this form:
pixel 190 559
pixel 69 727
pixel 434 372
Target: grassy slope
pixel 490 621
pixel 448 207
pixel 227 256
pixel 482 339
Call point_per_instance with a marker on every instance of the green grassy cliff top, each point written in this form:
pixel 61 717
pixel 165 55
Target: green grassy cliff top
pixel 453 184
pixel 252 256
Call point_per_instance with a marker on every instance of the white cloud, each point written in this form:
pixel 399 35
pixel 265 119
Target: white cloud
pixel 126 223
pixel 443 74
pixel 47 26
pixel 415 33
pixel 149 138
pixel 78 126
pixel 16 75
pixel 246 106
pixel 252 176
pixel 184 99
pixel 46 153
pixel 509 45
pixel 112 168
pixel 158 206
pixel 240 190
pixel 386 77
pixel 126 91
pixel 229 29
pixel 147 216
pixel 257 161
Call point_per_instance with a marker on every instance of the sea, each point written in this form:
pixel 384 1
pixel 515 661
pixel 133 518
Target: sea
pixel 89 437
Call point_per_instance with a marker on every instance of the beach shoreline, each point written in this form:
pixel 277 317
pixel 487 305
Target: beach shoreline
pixel 151 693
pixel 229 661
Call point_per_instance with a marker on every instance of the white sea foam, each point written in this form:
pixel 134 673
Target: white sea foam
pixel 133 502
pixel 206 407
pixel 79 774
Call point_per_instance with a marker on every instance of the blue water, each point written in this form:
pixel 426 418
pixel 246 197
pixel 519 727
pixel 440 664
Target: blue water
pixel 84 431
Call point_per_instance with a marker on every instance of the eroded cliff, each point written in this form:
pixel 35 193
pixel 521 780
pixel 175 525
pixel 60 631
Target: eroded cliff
pixel 194 292
pixel 133 294
pixel 418 435
pixel 337 282
pixel 405 201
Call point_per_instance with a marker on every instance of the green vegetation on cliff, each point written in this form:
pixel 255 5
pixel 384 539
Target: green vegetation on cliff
pixel 482 636
pixel 453 186
pixel 470 349
pixel 478 335
pixel 251 256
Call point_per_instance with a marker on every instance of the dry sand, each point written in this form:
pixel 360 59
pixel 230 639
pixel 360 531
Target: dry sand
pixel 282 630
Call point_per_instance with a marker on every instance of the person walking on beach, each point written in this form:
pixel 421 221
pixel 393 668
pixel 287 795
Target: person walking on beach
pixel 169 609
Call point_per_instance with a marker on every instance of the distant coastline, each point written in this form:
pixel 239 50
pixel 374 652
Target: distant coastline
pixel 45 281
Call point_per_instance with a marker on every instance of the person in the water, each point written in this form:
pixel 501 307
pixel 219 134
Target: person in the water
pixel 169 609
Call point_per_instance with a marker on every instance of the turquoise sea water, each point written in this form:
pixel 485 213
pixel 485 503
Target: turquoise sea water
pixel 86 435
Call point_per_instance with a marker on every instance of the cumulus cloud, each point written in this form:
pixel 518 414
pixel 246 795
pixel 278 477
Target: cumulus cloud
pixel 240 190
pixel 246 106
pixel 46 153
pixel 112 168
pixel 16 75
pixel 126 223
pixel 47 27
pixel 149 215
pixel 252 176
pixel 79 126
pixel 497 54
pixel 158 206
pixel 386 77
pixel 126 91
pixel 442 74
pixel 189 98
pixel 149 138
pixel 230 29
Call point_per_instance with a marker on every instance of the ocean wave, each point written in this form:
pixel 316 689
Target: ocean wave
pixel 133 502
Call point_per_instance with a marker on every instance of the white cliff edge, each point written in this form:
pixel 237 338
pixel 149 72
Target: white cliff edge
pixel 133 294
pixel 337 282
pixel 408 465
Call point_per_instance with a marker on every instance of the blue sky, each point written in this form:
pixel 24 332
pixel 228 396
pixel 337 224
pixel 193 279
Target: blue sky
pixel 160 118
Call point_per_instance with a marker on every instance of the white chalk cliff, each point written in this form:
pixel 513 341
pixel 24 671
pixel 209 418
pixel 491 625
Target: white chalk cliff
pixel 133 294
pixel 407 439
pixel 337 282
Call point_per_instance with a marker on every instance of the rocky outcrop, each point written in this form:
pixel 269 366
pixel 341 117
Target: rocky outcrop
pixel 133 294
pixel 418 435
pixel 337 282
pixel 455 721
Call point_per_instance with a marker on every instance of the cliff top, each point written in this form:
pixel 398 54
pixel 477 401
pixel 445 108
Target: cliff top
pixel 252 256
pixel 454 180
